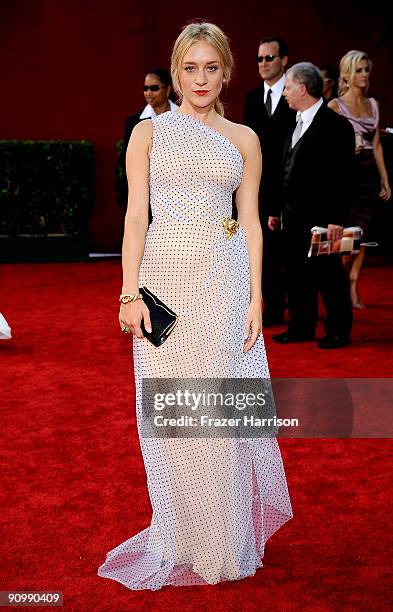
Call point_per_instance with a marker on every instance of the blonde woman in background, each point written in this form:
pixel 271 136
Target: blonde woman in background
pixel 371 177
pixel 216 500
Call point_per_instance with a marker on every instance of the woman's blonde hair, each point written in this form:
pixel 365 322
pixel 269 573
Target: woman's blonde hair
pixel 348 65
pixel 192 33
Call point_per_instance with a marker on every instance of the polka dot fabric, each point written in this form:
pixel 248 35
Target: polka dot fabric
pixel 215 501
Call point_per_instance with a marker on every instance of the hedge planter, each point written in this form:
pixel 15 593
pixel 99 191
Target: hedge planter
pixel 46 198
pixel 35 249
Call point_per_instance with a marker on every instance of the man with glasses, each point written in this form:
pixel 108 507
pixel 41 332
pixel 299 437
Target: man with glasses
pixel 268 114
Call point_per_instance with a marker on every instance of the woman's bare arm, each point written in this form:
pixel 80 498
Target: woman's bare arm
pixel 385 192
pixel 137 217
pixel 247 207
pixel 248 217
pixel 135 225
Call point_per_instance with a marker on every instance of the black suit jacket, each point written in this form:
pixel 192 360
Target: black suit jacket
pixel 272 132
pixel 317 175
pixel 121 176
pixel 129 125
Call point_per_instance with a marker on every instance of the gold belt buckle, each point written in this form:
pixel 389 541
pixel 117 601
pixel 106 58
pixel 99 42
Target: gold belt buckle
pixel 231 227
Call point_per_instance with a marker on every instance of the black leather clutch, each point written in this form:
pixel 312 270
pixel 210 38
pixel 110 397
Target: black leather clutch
pixel 162 318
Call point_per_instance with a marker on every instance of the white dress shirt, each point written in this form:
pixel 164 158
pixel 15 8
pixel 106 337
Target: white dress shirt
pixel 277 90
pixel 149 112
pixel 308 115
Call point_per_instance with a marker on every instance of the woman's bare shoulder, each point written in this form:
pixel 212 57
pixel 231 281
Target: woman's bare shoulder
pixel 242 136
pixel 143 131
pixel 141 138
pixel 333 104
pixel 239 130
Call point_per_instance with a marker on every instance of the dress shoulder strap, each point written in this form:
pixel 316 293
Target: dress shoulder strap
pixel 342 107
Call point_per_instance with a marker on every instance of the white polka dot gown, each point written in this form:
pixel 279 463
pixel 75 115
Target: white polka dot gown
pixel 215 501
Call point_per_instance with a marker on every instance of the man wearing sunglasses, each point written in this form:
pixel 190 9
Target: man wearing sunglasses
pixel 268 114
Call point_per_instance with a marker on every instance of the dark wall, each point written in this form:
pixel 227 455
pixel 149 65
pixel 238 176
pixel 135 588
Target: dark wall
pixel 74 68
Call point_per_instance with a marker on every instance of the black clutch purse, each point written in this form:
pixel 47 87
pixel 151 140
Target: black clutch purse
pixel 162 318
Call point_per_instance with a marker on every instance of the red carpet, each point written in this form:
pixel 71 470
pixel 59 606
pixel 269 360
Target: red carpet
pixel 73 479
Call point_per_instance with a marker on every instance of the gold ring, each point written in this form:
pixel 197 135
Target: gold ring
pixel 126 329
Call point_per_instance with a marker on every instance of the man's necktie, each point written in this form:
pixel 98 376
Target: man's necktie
pixel 268 103
pixel 297 132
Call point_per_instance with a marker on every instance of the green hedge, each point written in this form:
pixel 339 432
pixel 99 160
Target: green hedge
pixel 46 187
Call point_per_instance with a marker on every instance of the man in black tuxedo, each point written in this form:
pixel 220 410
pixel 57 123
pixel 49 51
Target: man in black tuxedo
pixel 316 190
pixel 268 114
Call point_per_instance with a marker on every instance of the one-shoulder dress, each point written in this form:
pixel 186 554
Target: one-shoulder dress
pixel 215 501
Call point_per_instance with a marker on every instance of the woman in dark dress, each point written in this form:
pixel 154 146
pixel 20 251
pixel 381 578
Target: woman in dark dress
pixel 371 177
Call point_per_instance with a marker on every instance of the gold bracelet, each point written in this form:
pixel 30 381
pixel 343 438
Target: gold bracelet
pixel 126 298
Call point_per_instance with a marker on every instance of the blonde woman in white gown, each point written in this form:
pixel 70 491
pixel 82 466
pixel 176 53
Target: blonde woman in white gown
pixel 216 501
